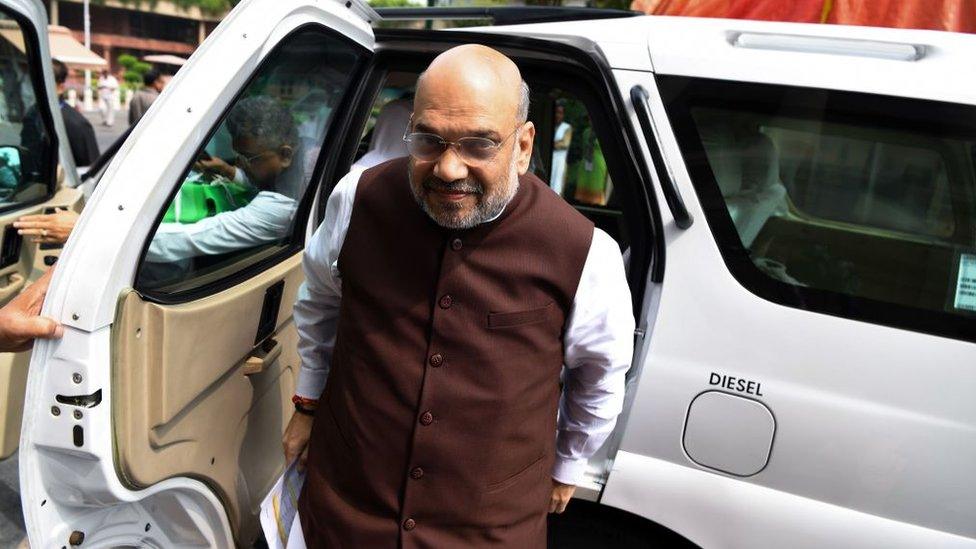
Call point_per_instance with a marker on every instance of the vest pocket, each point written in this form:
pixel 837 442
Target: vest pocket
pixel 519 318
pixel 334 427
pixel 514 479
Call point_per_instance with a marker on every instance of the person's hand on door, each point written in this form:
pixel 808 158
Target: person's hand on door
pixel 53 228
pixel 20 320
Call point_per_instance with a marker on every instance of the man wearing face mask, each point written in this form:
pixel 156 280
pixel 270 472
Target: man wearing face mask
pixel 265 139
pixel 444 294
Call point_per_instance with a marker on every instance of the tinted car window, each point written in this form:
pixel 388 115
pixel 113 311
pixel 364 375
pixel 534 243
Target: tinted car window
pixel 238 201
pixel 851 204
pixel 27 148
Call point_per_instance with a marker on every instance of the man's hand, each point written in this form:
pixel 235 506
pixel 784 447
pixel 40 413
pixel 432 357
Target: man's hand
pixel 295 440
pixel 19 320
pixel 215 165
pixel 561 494
pixel 50 228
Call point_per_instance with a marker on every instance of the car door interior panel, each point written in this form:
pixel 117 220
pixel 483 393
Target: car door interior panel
pixel 187 402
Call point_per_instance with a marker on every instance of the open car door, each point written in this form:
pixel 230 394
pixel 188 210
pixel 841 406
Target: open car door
pixel 31 138
pixel 157 420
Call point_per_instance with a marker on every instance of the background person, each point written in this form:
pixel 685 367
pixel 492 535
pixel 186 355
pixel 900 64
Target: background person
pixel 560 148
pixel 154 82
pixel 108 86
pixel 81 134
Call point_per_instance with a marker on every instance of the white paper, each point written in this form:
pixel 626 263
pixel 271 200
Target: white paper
pixel 966 283
pixel 279 510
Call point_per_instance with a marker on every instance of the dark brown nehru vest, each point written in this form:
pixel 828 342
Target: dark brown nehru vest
pixel 438 421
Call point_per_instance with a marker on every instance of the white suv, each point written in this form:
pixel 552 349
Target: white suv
pixel 796 205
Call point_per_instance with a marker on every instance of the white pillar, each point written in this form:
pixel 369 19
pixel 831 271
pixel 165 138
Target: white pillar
pixel 87 93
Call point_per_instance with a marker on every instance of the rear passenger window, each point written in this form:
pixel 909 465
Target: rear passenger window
pixel 849 204
pixel 568 155
pixel 238 203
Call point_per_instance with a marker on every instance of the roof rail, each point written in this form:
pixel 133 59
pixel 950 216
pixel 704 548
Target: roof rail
pixel 506 15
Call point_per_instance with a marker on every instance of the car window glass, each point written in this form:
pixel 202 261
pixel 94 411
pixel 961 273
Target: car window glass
pixel 237 203
pixel 382 137
pixel 27 151
pixel 570 156
pixel 863 198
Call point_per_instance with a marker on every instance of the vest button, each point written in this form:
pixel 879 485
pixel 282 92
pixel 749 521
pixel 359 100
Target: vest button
pixel 446 301
pixel 436 360
pixel 417 473
pixel 409 524
pixel 426 418
pixel 456 244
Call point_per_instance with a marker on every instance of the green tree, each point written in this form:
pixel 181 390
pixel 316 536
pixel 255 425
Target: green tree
pixel 213 7
pixel 134 70
pixel 391 3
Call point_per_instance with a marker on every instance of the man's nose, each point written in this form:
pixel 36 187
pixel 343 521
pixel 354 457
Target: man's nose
pixel 450 167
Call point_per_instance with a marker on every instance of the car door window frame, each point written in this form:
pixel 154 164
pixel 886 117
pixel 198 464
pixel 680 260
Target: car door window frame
pixel 325 164
pixel 35 64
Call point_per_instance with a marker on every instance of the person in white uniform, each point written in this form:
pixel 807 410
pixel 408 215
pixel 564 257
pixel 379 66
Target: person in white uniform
pixel 560 148
pixel 108 87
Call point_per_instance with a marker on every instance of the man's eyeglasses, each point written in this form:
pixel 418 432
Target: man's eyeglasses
pixel 245 161
pixel 473 151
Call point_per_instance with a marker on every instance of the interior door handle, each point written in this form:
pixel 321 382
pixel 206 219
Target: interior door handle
pixel 262 357
pixel 12 285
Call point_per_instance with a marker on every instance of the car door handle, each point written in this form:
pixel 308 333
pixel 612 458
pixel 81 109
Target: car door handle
pixel 262 357
pixel 14 283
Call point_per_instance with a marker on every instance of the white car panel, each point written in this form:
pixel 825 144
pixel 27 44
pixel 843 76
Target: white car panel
pixel 716 512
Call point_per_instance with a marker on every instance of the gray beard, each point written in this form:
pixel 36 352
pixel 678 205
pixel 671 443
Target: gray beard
pixel 487 209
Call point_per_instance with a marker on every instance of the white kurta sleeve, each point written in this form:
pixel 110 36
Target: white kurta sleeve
pixel 265 219
pixel 598 346
pixel 317 307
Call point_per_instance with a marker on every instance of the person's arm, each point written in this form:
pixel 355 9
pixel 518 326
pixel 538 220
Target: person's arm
pixel 563 144
pixel 265 219
pixel 316 311
pixel 317 307
pixel 598 347
pixel 20 320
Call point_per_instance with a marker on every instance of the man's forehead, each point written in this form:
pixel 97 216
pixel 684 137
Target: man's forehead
pixel 467 121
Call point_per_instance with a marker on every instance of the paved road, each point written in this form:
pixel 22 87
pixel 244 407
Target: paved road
pixel 11 519
pixel 106 135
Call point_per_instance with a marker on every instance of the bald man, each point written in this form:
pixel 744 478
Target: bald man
pixel 445 292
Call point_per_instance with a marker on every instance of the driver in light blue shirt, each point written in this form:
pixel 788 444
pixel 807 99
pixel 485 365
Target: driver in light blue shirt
pixel 269 157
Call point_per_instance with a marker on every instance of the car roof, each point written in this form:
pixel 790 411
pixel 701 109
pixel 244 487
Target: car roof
pixel 900 62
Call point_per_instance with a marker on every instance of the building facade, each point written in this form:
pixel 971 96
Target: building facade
pixel 135 28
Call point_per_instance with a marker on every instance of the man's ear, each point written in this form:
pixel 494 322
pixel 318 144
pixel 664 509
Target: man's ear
pixel 526 137
pixel 287 154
